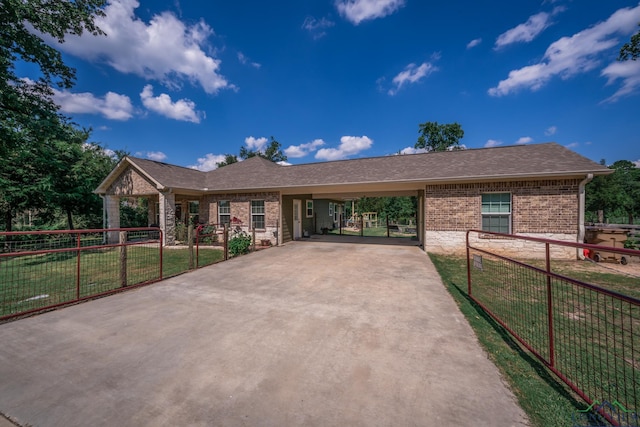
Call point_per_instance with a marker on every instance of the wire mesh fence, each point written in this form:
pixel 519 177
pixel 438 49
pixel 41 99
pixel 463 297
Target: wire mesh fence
pixel 587 334
pixel 40 270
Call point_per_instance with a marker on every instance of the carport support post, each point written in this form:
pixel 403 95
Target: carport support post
pixel 387 225
pixel 123 258
pixel 226 242
pixel 253 238
pixel 362 226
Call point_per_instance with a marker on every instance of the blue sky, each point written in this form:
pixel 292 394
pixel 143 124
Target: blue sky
pixel 185 82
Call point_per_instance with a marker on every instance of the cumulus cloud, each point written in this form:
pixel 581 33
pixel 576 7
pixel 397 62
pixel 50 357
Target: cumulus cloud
pixel 183 109
pixel 349 145
pixel 474 43
pixel 209 162
pixel 411 74
pixel 413 150
pixel 317 27
pixel 246 61
pixel 551 130
pixel 112 106
pixel 164 49
pixel 572 145
pixel 297 151
pixel 356 11
pixel 637 163
pixel 158 156
pixel 256 144
pixel 569 56
pixel 492 143
pixel 628 72
pixel 528 31
pixel 524 140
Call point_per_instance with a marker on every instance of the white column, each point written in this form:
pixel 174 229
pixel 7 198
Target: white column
pixel 112 206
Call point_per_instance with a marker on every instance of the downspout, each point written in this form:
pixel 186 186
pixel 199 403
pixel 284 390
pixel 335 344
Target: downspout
pixel 581 206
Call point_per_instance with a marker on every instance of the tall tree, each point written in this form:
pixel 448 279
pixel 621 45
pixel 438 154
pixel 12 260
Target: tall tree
pixel 631 49
pixel 616 194
pixel 26 106
pixel 437 137
pixel 272 152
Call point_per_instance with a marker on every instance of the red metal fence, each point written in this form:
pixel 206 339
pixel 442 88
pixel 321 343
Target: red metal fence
pixel 587 334
pixel 46 269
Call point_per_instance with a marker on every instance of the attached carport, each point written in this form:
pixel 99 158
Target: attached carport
pixel 309 333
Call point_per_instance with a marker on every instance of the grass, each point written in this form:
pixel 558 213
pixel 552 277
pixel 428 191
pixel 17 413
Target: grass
pixel 372 232
pixel 545 399
pixel 35 281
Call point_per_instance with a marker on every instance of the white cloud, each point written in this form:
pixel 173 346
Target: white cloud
pixel 183 109
pixel 551 130
pixel 112 106
pixel 413 150
pixel 158 156
pixel 166 49
pixel 349 145
pixel 244 61
pixel 297 151
pixel 528 31
pixel 628 72
pixel 637 163
pixel 256 144
pixel 317 27
pixel 492 143
pixel 411 74
pixel 357 11
pixel 208 162
pixel 569 56
pixel 524 140
pixel 474 43
pixel 572 145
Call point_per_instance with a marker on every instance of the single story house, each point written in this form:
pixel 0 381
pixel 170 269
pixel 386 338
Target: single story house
pixel 534 190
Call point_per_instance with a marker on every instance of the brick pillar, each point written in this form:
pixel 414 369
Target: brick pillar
pixel 168 218
pixel 113 217
pixel 151 211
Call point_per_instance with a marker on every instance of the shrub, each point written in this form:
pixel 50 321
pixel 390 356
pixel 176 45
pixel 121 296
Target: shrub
pixel 239 243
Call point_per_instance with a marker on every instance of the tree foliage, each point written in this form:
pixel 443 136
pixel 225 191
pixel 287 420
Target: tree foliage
pixel 631 49
pixel 439 137
pixel 396 208
pixel 617 194
pixel 272 152
pixel 26 108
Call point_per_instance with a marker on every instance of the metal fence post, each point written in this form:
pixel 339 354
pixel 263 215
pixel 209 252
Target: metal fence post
pixel 123 258
pixel 78 268
pixel 550 307
pixel 226 242
pixel 387 225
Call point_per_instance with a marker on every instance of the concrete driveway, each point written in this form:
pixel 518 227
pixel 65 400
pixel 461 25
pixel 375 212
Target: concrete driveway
pixel 310 333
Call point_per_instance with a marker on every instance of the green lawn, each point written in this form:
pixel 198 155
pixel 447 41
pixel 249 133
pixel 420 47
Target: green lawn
pixel 580 352
pixel 34 281
pixel 373 232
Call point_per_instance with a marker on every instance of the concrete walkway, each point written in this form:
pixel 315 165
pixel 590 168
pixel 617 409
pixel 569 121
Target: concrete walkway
pixel 312 333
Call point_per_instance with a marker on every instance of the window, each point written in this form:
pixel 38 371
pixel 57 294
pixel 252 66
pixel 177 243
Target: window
pixel 257 214
pixel 309 208
pixel 496 212
pixel 194 211
pixel 336 213
pixel 224 212
pixel 331 209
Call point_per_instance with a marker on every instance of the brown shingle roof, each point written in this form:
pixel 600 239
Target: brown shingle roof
pixel 511 162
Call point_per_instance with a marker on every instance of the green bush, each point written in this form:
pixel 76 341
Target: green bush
pixel 239 243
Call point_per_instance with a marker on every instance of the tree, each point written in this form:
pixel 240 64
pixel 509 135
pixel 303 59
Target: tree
pixel 616 194
pixel 631 49
pixel 26 107
pixel 436 137
pixel 273 152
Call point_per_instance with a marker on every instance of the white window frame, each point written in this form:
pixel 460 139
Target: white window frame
pixel 309 208
pixel 331 209
pixel 508 214
pixel 222 214
pixel 257 214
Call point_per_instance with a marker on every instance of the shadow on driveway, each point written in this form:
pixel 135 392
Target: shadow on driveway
pixel 310 333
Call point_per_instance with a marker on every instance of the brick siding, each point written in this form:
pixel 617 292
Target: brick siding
pixel 546 206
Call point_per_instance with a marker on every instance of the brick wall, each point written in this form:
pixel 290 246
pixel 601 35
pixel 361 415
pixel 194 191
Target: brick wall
pixel 131 183
pixel 545 208
pixel 549 206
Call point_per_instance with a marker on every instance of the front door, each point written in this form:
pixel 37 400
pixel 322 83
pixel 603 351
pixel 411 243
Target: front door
pixel 297 219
